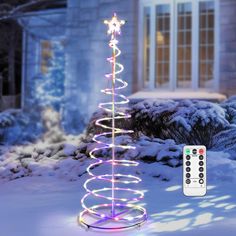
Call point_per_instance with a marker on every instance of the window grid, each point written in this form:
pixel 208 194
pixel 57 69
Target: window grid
pixel 184 42
pixel 146 44
pixel 206 46
pixel 183 66
pixel 162 45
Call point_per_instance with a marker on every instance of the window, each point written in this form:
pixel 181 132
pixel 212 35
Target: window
pixel 163 45
pixel 10 65
pixel 206 44
pixel 184 45
pixel 180 44
pixel 146 44
pixel 46 56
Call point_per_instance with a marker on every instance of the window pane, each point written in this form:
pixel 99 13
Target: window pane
pixel 206 47
pixel 162 45
pixel 146 44
pixel 184 52
pixel 211 20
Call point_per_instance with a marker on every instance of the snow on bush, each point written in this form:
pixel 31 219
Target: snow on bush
pixel 161 128
pixel 226 141
pixel 230 108
pixel 60 159
pixel 17 127
pixel 185 121
pixel 146 149
pixel 120 123
pixel 66 159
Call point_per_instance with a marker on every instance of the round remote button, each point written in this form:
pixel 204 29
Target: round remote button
pixel 188 181
pixel 201 181
pixel 187 151
pixel 201 169
pixel 194 151
pixel 201 151
pixel 188 169
pixel 188 163
pixel 187 157
pixel 188 175
pixel 201 157
pixel 201 175
pixel 201 163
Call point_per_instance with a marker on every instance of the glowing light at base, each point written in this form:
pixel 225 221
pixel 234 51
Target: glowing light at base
pixel 117 208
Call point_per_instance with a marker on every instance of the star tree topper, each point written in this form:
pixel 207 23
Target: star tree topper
pixel 114 24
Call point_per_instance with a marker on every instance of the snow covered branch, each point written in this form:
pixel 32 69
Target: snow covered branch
pixel 8 11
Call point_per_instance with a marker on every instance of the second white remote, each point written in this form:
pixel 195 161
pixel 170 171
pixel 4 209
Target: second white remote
pixel 194 170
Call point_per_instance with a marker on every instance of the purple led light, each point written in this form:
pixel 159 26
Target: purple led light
pixel 117 207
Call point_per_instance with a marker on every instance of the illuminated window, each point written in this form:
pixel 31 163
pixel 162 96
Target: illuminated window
pixel 46 56
pixel 162 45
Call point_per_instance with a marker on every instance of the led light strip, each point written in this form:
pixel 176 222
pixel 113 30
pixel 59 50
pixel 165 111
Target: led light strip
pixel 112 211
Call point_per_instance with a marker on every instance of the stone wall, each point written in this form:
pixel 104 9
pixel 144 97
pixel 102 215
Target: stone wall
pixel 228 47
pixel 87 50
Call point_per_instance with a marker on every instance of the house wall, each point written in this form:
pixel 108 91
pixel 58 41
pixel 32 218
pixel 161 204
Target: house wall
pixel 228 47
pixel 86 53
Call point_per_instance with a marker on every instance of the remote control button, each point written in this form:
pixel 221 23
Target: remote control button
pixel 201 163
pixel 188 169
pixel 201 157
pixel 201 151
pixel 188 181
pixel 187 151
pixel 188 163
pixel 187 157
pixel 188 175
pixel 201 175
pixel 201 181
pixel 194 151
pixel 201 169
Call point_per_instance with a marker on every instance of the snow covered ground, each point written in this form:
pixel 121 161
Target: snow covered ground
pixel 41 183
pixel 48 206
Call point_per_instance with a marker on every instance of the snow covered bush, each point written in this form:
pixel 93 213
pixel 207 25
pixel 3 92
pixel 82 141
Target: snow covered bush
pixel 161 128
pixel 67 159
pixel 226 141
pixel 43 159
pixel 18 127
pixel 92 128
pixel 230 109
pixel 146 149
pixel 185 121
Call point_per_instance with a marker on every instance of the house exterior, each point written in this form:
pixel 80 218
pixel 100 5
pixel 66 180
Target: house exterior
pixel 168 47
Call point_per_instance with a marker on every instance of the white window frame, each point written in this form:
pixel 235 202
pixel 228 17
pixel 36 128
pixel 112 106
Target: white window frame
pixel 173 42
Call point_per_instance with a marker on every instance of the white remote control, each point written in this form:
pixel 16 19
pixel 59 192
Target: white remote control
pixel 194 170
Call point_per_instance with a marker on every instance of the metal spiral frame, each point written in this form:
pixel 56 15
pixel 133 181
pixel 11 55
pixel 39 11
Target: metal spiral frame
pixel 117 212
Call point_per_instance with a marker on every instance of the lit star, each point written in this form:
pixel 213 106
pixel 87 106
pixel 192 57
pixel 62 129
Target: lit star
pixel 114 24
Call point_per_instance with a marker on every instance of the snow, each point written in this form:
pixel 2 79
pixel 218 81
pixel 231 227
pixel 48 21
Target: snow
pixel 42 159
pixel 42 182
pixel 49 206
pixel 18 127
pixel 185 121
pixel 182 94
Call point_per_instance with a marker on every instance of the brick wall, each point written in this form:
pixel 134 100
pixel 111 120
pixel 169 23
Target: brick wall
pixel 228 47
pixel 87 50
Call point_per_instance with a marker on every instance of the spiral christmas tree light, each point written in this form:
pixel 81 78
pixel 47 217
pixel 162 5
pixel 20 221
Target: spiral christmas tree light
pixel 117 209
